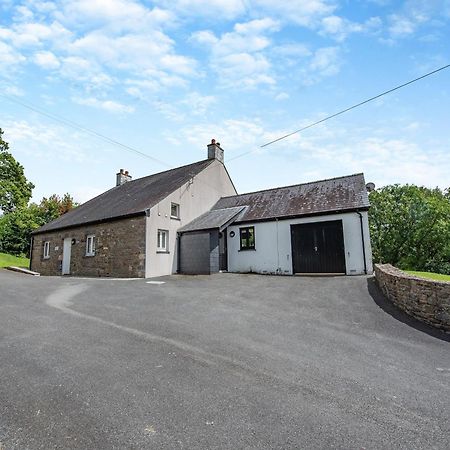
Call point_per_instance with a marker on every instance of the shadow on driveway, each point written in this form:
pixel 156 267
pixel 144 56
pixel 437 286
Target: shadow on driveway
pixel 400 315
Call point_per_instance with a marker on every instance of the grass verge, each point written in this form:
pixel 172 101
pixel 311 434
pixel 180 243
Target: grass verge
pixel 10 260
pixel 429 275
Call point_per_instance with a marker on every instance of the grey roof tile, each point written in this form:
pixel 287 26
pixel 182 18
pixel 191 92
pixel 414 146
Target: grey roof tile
pixel 131 198
pixel 325 196
pixel 212 219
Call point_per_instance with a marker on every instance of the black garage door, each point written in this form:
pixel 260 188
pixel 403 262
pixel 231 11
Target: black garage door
pixel 318 247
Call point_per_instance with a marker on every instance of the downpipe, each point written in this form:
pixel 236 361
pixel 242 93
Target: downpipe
pixel 362 241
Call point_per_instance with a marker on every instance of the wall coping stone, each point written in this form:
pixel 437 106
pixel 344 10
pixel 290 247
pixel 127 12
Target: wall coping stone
pixel 426 300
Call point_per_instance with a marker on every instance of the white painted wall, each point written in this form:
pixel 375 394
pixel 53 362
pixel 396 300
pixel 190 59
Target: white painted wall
pixel 273 253
pixel 194 199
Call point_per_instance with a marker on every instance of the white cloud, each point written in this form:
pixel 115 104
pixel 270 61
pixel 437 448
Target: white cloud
pixel 325 62
pixel 281 96
pixel 413 15
pixel 94 42
pixel 9 57
pixel 107 105
pixel 340 28
pixel 44 141
pixel 46 60
pixel 301 12
pixel 113 15
pixel 10 89
pixel 238 56
pixel 198 104
pixel 401 26
pixel 226 9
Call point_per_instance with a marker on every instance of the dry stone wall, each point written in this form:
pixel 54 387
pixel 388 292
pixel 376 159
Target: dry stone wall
pixel 426 300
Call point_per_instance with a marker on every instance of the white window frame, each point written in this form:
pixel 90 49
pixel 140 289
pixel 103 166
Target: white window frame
pixel 46 249
pixel 177 206
pixel 162 241
pixel 90 245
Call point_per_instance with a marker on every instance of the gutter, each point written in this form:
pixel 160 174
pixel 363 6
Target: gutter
pixel 362 240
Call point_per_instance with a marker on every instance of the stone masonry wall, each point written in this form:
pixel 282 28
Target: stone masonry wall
pixel 426 300
pixel 120 250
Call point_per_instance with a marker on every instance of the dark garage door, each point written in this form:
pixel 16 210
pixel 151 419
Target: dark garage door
pixel 318 247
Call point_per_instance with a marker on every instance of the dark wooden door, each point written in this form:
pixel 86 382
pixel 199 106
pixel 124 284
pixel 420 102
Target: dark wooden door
pixel 318 247
pixel 223 251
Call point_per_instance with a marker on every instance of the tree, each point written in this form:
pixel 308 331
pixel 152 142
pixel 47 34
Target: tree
pixel 55 206
pixel 410 227
pixel 15 189
pixel 16 226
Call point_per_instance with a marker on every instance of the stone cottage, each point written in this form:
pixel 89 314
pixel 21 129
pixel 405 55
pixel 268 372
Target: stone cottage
pixel 131 229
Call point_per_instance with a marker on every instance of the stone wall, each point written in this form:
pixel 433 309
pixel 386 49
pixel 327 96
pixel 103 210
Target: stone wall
pixel 120 250
pixel 426 300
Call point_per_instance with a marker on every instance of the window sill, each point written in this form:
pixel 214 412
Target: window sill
pixel 247 250
pixel 90 255
pixel 175 218
pixel 163 251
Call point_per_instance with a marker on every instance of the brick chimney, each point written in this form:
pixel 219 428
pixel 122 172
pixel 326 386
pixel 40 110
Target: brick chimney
pixel 214 151
pixel 122 177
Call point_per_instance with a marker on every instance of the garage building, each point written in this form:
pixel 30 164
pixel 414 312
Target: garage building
pixel 311 228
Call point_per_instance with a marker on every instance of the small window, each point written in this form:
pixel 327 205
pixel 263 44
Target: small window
pixel 247 236
pixel 175 211
pixel 90 245
pixel 163 241
pixel 46 249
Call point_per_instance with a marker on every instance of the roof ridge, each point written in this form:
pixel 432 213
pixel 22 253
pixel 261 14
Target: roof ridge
pixel 137 179
pixel 164 171
pixel 293 185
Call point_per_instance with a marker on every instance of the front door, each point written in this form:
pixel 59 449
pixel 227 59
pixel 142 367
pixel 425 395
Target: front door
pixel 67 250
pixel 318 247
pixel 223 255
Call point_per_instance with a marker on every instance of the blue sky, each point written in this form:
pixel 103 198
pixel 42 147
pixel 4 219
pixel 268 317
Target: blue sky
pixel 165 77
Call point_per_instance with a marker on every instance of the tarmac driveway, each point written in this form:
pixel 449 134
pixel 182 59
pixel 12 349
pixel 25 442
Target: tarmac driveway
pixel 226 361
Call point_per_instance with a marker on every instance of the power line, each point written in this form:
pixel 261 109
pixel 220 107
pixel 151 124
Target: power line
pixel 344 110
pixel 79 127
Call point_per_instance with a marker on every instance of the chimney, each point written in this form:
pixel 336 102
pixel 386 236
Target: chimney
pixel 214 151
pixel 122 177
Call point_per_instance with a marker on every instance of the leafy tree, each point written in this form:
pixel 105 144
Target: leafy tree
pixel 55 206
pixel 16 226
pixel 15 189
pixel 410 227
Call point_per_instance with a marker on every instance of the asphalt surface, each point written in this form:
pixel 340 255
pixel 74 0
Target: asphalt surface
pixel 220 362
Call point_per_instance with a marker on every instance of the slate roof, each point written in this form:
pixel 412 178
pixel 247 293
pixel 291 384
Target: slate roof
pixel 319 197
pixel 129 199
pixel 213 219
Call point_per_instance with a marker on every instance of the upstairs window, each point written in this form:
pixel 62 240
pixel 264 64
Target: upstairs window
pixel 90 245
pixel 46 250
pixel 175 211
pixel 163 241
pixel 247 238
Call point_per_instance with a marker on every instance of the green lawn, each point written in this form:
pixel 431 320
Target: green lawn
pixel 430 275
pixel 9 260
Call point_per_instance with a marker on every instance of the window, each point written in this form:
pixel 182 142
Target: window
pixel 90 245
pixel 247 238
pixel 46 249
pixel 163 241
pixel 175 211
